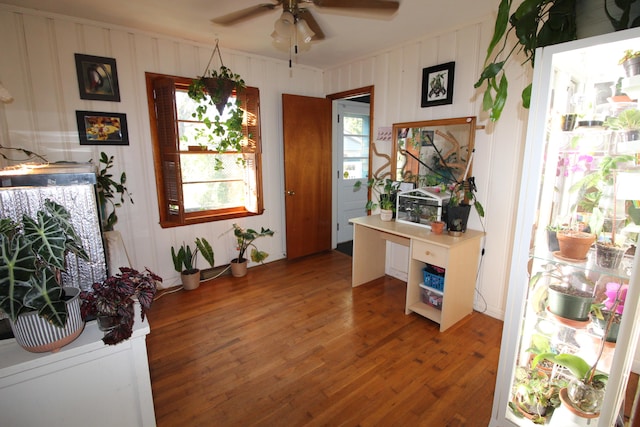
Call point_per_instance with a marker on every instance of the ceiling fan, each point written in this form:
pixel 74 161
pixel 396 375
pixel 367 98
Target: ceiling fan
pixel 301 15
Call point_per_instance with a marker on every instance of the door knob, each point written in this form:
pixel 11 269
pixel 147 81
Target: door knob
pixel 291 193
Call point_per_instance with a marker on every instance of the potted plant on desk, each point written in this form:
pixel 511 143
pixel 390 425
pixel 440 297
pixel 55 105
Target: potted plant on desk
pixel 44 314
pixel 245 239
pixel 384 190
pixel 463 196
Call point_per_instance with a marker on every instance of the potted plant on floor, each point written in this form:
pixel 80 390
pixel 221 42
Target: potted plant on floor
pixel 384 190
pixel 184 262
pixel 44 314
pixel 207 253
pixel 245 239
pixel 112 302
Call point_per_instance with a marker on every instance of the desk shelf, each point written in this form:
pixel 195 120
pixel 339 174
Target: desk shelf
pixel 459 256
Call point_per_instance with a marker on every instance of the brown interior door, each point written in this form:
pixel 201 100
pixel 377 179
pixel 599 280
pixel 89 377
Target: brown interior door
pixel 307 174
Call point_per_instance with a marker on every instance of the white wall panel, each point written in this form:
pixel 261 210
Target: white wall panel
pixel 38 68
pixel 397 78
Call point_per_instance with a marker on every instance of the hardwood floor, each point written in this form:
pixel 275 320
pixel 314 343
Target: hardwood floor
pixel 292 344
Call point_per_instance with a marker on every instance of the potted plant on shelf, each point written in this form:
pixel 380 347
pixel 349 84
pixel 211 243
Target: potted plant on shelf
pixel 585 390
pixel 44 314
pixel 626 126
pixel 631 62
pixel 534 394
pixel 607 315
pixel 384 190
pixel 184 262
pixel 245 239
pixel 567 294
pixel 112 302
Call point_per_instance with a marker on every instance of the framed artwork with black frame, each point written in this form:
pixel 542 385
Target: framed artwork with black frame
pixel 102 128
pixel 437 85
pixel 97 78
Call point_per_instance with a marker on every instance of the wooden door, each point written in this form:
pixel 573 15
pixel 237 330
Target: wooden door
pixel 307 174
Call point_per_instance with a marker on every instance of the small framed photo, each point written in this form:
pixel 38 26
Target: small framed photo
pixel 97 78
pixel 98 128
pixel 437 85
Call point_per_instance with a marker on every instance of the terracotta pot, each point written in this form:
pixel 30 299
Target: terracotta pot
pixel 575 244
pixel 437 227
pixel 238 268
pixel 190 281
pixel 37 335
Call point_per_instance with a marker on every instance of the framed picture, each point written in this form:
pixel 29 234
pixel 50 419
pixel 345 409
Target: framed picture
pixel 97 78
pixel 437 85
pixel 98 128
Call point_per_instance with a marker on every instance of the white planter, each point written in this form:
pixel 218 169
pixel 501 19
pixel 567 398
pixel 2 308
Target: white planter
pixel 386 214
pixel 37 335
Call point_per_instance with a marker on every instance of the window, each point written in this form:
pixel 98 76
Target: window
pixel 355 145
pixel 191 187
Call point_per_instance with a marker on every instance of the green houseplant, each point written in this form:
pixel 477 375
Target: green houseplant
pixel 463 196
pixel 112 302
pixel 223 130
pixel 32 255
pixel 109 191
pixel 184 262
pixel 384 190
pixel 535 23
pixel 534 394
pixel 245 238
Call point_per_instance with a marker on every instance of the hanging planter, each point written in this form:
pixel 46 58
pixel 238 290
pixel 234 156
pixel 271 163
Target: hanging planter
pixel 214 88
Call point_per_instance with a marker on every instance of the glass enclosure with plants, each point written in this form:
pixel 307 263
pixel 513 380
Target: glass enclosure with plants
pixel 562 363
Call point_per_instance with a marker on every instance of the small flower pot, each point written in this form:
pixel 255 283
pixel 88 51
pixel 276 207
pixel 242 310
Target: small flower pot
pixel 575 245
pixel 386 214
pixel 437 227
pixel 191 280
pixel 632 66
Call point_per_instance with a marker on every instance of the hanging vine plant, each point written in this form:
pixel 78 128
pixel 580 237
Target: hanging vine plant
pixel 213 89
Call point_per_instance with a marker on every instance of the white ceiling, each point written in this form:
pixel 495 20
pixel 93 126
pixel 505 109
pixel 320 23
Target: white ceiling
pixel 349 34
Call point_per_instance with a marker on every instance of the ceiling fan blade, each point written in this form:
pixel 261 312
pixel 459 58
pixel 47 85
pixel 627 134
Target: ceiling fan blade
pixel 241 15
pixel 313 24
pixel 389 6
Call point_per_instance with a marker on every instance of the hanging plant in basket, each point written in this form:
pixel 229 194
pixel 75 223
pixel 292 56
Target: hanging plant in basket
pixel 223 130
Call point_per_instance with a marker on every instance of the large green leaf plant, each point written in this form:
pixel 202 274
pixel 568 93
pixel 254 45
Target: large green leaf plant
pixel 535 23
pixel 32 255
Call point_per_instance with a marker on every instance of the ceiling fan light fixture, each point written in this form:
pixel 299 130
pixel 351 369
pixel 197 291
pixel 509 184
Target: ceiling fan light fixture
pixel 304 31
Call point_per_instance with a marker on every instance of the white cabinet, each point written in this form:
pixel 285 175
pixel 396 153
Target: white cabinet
pixel 86 383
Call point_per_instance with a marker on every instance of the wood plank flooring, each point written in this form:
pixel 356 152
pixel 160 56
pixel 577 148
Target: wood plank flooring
pixel 292 344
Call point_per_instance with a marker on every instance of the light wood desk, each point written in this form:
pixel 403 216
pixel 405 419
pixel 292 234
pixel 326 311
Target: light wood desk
pixel 459 256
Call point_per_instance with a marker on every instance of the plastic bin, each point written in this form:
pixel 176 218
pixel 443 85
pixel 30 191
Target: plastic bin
pixel 430 296
pixel 434 277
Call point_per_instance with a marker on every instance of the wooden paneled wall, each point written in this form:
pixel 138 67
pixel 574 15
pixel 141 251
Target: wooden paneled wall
pixel 38 69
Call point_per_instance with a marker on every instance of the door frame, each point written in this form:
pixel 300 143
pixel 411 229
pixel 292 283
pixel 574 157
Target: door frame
pixel 352 93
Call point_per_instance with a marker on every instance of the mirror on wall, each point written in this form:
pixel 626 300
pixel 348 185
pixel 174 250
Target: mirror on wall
pixel 429 153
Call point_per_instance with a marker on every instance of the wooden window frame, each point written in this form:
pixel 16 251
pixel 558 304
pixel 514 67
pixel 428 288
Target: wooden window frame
pixel 166 153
